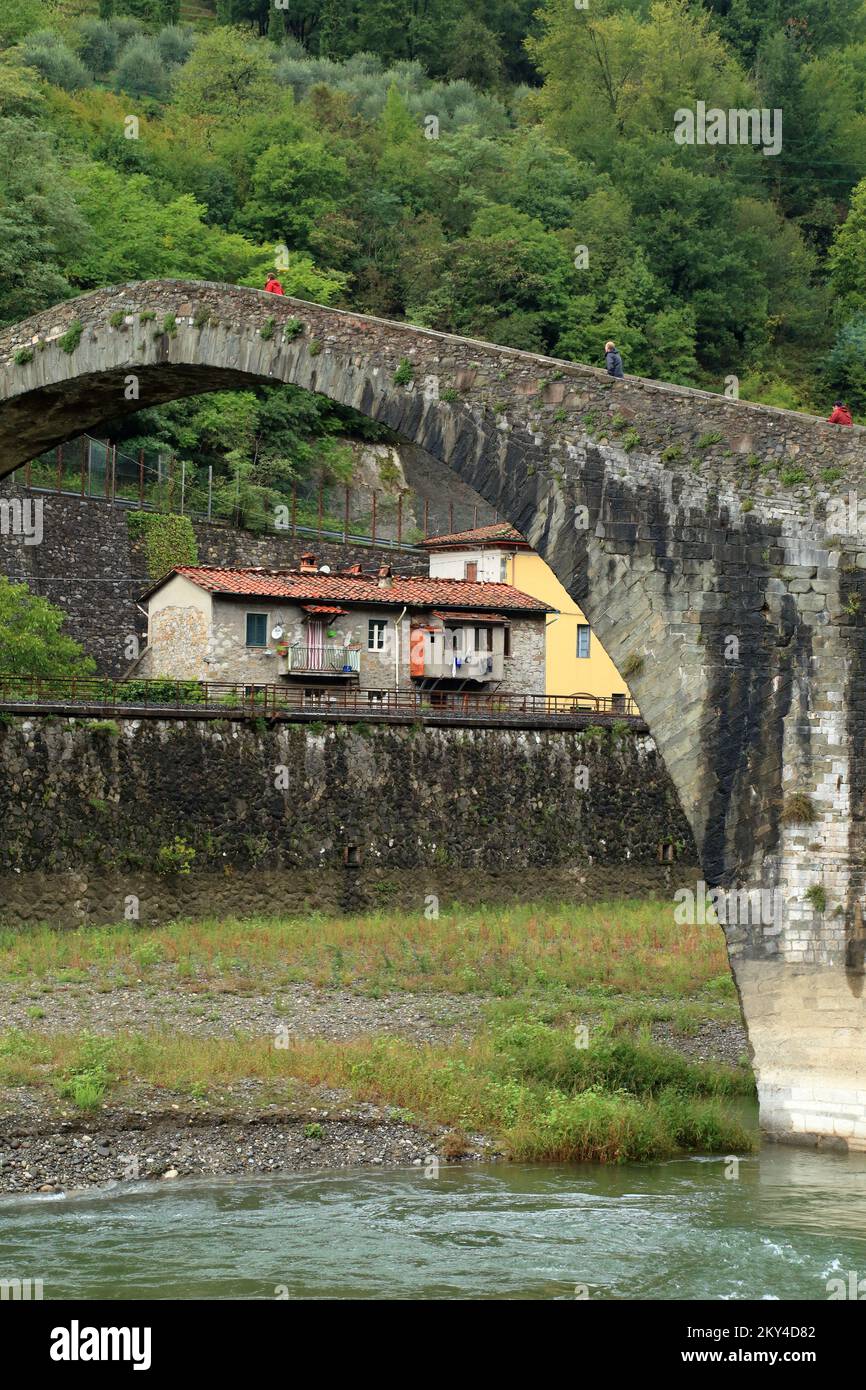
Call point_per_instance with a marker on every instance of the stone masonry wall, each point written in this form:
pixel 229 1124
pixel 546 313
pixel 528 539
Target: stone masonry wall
pixel 476 815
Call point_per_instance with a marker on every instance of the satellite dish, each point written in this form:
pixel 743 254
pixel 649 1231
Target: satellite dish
pixel 276 633
pixel 324 569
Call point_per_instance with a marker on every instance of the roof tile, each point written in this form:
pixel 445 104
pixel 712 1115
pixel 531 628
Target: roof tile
pixel 410 590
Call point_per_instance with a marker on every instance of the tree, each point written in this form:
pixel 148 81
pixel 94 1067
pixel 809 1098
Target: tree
pixel 41 227
pixel 133 236
pixel 31 640
pixel 847 259
pixel 142 72
pixel 292 190
pixel 228 75
pixel 277 26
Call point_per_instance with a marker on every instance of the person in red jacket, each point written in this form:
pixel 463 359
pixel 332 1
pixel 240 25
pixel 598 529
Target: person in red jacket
pixel 841 414
pixel 274 287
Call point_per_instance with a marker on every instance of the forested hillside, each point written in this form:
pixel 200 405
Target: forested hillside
pixel 505 169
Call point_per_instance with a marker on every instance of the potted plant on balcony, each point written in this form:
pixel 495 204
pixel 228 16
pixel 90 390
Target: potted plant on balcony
pixel 282 649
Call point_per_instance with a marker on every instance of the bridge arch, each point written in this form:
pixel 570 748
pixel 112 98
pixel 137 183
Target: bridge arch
pixel 698 534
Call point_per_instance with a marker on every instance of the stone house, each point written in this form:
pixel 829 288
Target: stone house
pixel 576 660
pixel 321 630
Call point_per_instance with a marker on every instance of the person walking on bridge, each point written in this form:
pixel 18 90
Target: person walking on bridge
pixel 613 361
pixel 273 286
pixel 841 414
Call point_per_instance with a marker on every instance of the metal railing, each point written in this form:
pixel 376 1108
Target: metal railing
pixel 96 695
pixel 339 660
pixel 155 480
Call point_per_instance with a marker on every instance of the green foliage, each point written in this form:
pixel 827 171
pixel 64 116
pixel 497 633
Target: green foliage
pixel 267 329
pixel 142 71
pixel 22 356
pixel 161 692
pixel 790 476
pixel 169 541
pixel 175 858
pixel 404 374
pixel 88 1077
pixel 31 639
pixel 816 894
pixel 48 55
pixel 69 341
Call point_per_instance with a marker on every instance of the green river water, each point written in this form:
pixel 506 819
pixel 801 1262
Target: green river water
pixel 789 1223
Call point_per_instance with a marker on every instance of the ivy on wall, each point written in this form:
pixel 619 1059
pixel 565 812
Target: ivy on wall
pixel 168 541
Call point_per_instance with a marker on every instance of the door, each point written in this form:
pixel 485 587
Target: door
pixel 315 644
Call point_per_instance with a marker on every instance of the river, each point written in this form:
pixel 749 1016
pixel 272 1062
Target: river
pixel 788 1223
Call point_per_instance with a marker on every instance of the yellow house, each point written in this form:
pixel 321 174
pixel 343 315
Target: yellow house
pixel 576 661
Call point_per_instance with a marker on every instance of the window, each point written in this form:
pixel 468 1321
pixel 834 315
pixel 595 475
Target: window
pixel 257 629
pixel 583 639
pixel 376 634
pixel 470 570
pixel 506 641
pixel 503 569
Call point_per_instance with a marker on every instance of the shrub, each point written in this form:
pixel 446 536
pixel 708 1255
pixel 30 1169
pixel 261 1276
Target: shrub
pixel 707 440
pixel 405 373
pixel 116 320
pixel 267 329
pixel 98 46
pixel 161 692
pixel 790 476
pixel 48 54
pixel 175 44
pixel 292 328
pixel 71 338
pixel 142 72
pixel 799 809
pixel 816 894
pixel 23 356
pixel 632 666
pixel 176 858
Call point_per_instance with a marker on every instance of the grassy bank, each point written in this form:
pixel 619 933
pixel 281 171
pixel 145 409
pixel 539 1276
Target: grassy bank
pixel 561 1065
pixel 623 947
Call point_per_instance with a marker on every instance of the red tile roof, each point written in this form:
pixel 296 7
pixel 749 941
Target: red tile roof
pixel 499 531
pixel 409 590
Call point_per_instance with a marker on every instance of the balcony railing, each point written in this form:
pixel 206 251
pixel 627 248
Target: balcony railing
pixel 96 696
pixel 339 661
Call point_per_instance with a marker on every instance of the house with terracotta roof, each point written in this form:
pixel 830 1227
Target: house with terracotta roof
pixel 323 630
pixel 575 659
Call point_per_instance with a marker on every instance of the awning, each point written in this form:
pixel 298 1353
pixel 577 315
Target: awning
pixel 322 608
pixel 448 616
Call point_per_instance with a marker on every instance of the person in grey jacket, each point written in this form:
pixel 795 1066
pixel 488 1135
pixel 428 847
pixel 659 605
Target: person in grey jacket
pixel 613 361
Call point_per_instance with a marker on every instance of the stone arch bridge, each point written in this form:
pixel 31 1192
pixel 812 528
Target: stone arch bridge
pixel 713 545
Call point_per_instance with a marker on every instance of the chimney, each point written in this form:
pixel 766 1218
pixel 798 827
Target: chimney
pixel 385 577
pixel 351 572
pixel 309 565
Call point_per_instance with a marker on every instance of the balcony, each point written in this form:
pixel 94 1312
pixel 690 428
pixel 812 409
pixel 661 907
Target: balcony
pixel 477 666
pixel 340 663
